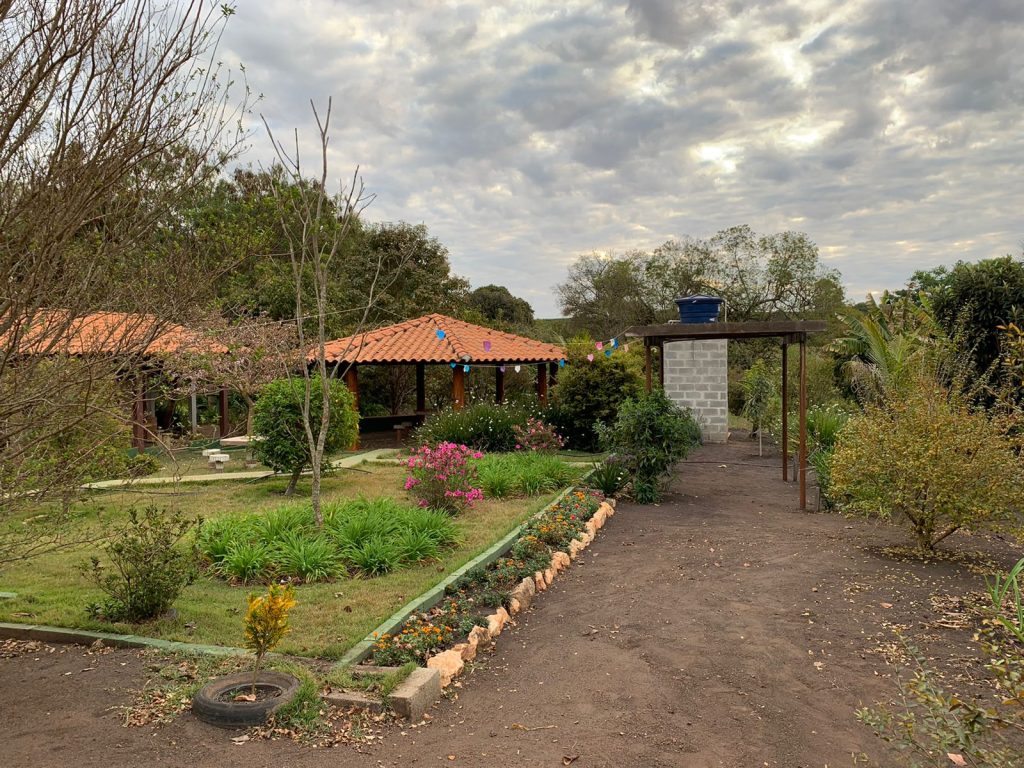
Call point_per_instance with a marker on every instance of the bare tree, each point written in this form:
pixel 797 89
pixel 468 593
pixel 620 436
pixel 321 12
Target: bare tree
pixel 111 113
pixel 316 224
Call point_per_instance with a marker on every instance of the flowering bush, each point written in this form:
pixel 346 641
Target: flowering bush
pixel 442 477
pixel 535 435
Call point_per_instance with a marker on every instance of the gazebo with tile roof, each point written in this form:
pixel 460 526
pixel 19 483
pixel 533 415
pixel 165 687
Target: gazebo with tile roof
pixel 436 339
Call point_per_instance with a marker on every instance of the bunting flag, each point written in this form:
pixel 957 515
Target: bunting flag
pixel 607 353
pixel 501 368
pixel 465 369
pixel 440 333
pixel 615 343
pixel 561 363
pixel 590 357
pixel 487 346
pixel 518 368
pixel 600 345
pixel 452 365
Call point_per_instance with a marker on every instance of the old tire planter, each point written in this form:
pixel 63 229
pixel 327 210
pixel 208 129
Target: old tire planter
pixel 208 707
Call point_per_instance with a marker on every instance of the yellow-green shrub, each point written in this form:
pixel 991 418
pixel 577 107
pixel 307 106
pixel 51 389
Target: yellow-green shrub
pixel 926 457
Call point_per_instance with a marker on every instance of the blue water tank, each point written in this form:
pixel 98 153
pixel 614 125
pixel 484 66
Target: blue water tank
pixel 699 309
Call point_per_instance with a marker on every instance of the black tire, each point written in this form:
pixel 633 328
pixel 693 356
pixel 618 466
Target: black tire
pixel 206 704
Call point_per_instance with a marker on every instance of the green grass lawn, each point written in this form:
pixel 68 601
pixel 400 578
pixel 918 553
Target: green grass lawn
pixel 329 618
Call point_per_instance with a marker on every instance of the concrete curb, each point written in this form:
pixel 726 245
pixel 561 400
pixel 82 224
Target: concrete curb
pixel 361 650
pixel 47 634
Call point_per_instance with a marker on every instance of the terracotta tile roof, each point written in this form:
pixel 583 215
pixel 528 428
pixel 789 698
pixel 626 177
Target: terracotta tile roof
pixel 417 341
pixel 52 332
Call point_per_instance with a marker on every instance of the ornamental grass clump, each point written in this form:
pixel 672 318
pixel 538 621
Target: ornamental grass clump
pixel 442 477
pixel 266 623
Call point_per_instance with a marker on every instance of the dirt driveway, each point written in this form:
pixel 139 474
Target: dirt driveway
pixel 720 628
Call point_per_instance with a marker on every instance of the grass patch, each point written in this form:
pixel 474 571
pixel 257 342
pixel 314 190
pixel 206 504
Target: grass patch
pixel 329 618
pixel 380 684
pixel 526 473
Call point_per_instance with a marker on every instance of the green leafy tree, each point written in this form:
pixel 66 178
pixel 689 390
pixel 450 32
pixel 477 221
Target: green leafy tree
pixel 925 457
pixel 497 304
pixel 282 443
pixel 978 299
pixel 650 433
pixel 760 277
pixel 591 392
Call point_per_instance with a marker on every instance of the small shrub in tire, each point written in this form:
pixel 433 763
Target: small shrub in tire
pixel 208 706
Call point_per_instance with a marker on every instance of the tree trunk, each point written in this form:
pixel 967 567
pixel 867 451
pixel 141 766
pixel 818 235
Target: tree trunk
pixel 293 481
pixel 760 445
pixel 250 407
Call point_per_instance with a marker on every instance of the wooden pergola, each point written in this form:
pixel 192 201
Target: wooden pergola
pixel 789 331
pixel 436 339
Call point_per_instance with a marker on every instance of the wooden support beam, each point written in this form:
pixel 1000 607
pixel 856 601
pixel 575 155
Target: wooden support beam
pixel 458 388
pixel 647 365
pixel 421 388
pixel 542 383
pixel 803 422
pixel 225 427
pixel 553 373
pixel 785 410
pixel 499 385
pixel 661 364
pixel 352 382
pixel 139 414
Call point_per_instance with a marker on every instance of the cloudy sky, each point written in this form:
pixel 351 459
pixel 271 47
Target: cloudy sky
pixel 526 133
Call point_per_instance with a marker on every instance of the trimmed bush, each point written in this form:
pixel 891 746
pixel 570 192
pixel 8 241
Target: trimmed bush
pixel 591 392
pixel 277 420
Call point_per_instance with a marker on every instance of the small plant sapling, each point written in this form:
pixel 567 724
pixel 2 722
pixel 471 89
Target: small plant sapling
pixel 266 624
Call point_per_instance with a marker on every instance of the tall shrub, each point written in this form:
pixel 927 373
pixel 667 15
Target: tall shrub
pixel 483 426
pixel 927 458
pixel 650 433
pixel 761 397
pixel 589 392
pixel 278 423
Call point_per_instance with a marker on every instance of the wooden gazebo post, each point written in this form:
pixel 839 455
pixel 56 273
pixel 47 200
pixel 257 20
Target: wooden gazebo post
pixel 421 388
pixel 458 388
pixel 499 385
pixel 352 382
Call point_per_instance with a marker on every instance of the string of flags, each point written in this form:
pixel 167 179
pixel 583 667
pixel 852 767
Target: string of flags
pixel 608 347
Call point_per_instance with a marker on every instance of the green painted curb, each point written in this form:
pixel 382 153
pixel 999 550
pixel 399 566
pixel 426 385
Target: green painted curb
pixel 361 650
pixel 49 634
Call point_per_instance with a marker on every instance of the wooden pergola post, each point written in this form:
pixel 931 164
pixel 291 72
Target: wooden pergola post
pixel 458 388
pixel 661 364
pixel 499 385
pixel 352 382
pixel 224 425
pixel 421 388
pixel 803 422
pixel 552 373
pixel 785 409
pixel 542 383
pixel 647 364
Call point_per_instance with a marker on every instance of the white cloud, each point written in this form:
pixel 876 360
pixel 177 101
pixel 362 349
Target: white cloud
pixel 526 133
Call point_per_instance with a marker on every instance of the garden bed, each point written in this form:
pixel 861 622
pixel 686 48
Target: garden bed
pixel 330 617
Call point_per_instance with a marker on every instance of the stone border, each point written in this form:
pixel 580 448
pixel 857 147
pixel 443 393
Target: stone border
pixel 361 650
pixel 451 662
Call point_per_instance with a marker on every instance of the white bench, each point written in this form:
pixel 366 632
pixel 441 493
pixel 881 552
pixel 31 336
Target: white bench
pixel 218 460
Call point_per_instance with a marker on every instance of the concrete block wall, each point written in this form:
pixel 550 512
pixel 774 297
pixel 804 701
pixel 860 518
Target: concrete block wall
pixel 697 377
